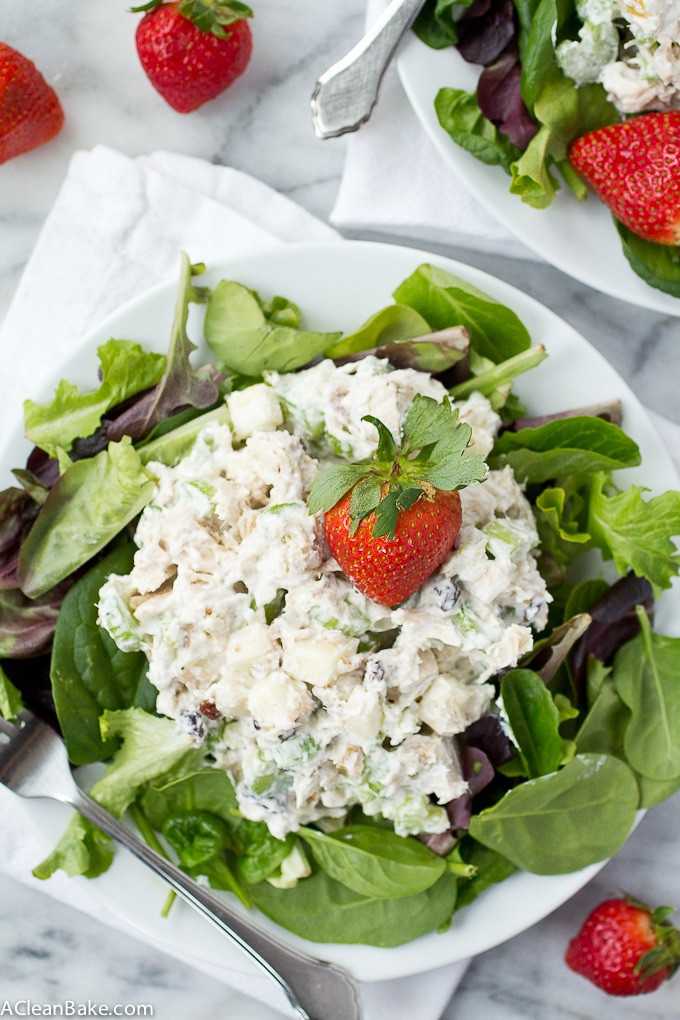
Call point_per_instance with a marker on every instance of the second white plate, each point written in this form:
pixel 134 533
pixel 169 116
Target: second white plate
pixel 577 237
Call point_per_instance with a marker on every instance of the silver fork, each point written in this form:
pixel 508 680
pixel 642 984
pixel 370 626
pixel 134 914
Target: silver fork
pixel 345 94
pixel 33 763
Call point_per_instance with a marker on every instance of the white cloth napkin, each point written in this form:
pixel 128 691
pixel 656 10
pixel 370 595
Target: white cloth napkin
pixel 115 230
pixel 395 182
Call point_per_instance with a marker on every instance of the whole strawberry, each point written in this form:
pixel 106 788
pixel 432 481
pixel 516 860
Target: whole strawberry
pixel 392 520
pixel 635 169
pixel 625 947
pixel 192 50
pixel 30 111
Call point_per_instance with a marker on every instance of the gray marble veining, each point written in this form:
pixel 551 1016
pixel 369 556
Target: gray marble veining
pixel 49 952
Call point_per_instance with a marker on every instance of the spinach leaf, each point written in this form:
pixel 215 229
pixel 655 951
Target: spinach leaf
pixel 11 703
pixel 195 836
pixel 88 671
pixel 125 369
pixel 207 789
pixel 657 264
pixel 247 342
pixel 82 850
pixel 446 300
pixel 647 679
pixel 375 862
pixel 563 821
pixel 89 505
pixel 636 533
pixel 534 721
pixel 258 853
pixel 582 444
pixel 435 25
pixel 322 910
pixel 388 326
pixel 459 114
pixel 604 730
pixel 401 335
pixel 490 868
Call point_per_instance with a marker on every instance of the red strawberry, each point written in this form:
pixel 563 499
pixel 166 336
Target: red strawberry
pixel 388 570
pixel 192 50
pixel 30 112
pixel 392 520
pixel 625 947
pixel 635 169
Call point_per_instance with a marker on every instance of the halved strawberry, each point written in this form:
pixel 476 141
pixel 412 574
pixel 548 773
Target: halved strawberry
pixel 392 520
pixel 634 167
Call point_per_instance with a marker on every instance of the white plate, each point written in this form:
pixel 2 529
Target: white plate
pixel 338 286
pixel 577 237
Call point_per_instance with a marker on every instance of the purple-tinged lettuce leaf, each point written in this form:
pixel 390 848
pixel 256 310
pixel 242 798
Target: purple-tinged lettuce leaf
pixel 609 410
pixel 485 29
pixel 27 625
pixel 478 773
pixel 614 622
pixel 440 843
pixel 500 99
pixel 547 655
pixel 487 734
pixel 434 353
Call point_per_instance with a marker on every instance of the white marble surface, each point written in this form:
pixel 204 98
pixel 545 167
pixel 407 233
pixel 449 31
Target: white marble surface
pixel 49 953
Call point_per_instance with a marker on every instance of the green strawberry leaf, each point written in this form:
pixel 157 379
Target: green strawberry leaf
pixel 425 422
pixel 331 485
pixel 365 498
pixel 387 448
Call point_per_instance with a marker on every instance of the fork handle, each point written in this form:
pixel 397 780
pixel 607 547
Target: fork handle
pixel 316 990
pixel 346 93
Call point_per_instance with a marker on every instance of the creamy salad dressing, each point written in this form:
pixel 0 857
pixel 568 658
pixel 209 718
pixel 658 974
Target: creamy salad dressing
pixel 310 695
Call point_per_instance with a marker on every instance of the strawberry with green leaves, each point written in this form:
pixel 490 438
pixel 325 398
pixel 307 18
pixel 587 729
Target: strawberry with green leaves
pixel 192 50
pixel 625 947
pixel 392 520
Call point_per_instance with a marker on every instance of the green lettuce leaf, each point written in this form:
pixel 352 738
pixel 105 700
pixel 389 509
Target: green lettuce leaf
pixel 637 534
pixel 11 702
pixel 89 505
pixel 125 368
pixel 82 850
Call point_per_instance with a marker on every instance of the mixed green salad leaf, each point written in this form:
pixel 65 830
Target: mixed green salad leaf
pixel 526 111
pixel 585 731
